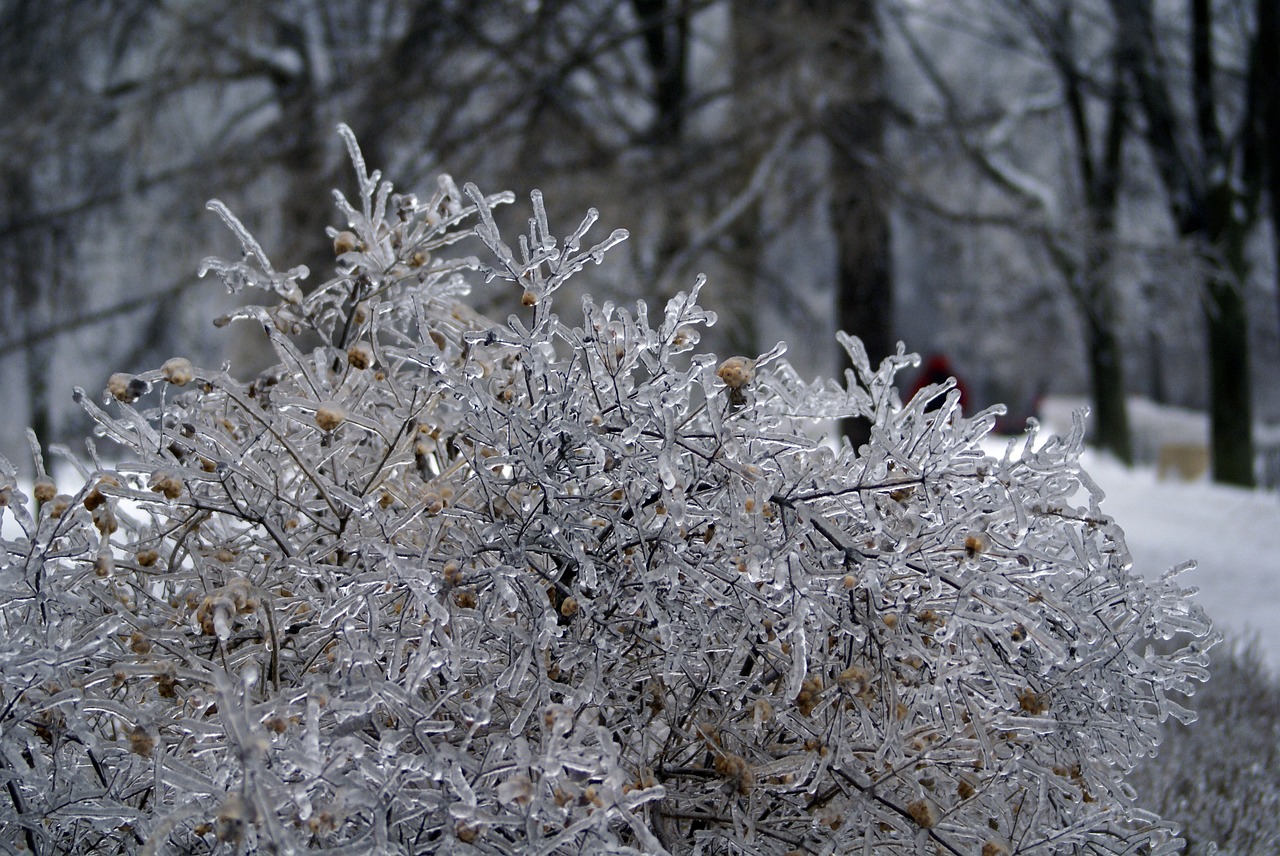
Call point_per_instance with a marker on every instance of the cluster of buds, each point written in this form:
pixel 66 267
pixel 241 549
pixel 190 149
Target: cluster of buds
pixel 219 610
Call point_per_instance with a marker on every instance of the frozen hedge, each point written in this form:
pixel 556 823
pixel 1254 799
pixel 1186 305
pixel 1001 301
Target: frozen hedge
pixel 440 584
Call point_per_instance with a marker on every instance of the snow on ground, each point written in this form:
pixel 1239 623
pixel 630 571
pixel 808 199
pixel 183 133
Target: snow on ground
pixel 1233 534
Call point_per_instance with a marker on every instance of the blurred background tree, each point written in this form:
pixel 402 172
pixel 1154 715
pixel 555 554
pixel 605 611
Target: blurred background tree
pixel 1022 187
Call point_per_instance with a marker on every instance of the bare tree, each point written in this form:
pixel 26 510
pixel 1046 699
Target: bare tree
pixel 854 125
pixel 1069 215
pixel 1084 256
pixel 1210 159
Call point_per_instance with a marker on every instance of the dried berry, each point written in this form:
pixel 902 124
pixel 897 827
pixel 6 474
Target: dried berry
pixel 737 372
pixel 329 415
pixel 345 242
pixel 178 371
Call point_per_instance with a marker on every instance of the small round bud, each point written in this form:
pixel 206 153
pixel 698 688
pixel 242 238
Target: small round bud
pixel 94 498
pixel 104 565
pixel 125 387
pixel 452 573
pixel 516 790
pixel 1033 702
pixel 139 643
pixel 737 372
pixel 529 299
pixel 146 557
pixel 44 489
pixel 329 415
pixel 974 545
pixel 345 242
pixel 167 483
pixel 141 742
pixel 360 355
pixel 923 813
pixel 178 371
pixel 432 503
pixel 105 519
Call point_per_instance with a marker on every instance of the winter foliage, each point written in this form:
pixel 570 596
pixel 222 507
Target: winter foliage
pixel 1218 778
pixel 440 584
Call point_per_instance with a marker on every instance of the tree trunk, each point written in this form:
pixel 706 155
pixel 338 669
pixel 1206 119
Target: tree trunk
pixel 1227 318
pixel 1230 408
pixel 1267 57
pixel 749 38
pixel 853 122
pixel 303 159
pixel 1106 377
pixel 31 270
pixel 1211 206
pixel 665 26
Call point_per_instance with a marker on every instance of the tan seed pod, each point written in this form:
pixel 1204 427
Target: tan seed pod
pixel 95 497
pixel 329 415
pixel 166 483
pixel 44 489
pixel 360 355
pixel 104 565
pixel 167 684
pixel 105 519
pixel 178 371
pixel 737 372
pixel 345 242
pixel 923 813
pixel 857 675
pixel 974 545
pixel 141 742
pixel 138 642
pixel 452 573
pixel 125 387
pixel 1033 702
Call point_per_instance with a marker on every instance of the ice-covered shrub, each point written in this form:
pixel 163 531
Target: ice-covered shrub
pixel 1219 780
pixel 447 585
